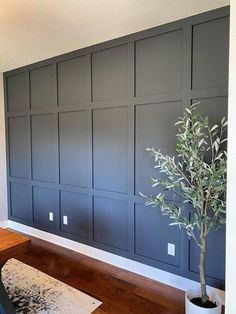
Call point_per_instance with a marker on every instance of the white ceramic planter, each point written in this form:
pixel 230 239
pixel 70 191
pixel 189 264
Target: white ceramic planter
pixel 191 308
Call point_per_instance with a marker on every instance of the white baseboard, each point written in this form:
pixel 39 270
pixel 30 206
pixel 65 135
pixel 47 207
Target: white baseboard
pixel 115 260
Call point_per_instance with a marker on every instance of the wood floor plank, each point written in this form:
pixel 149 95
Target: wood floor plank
pixel 11 243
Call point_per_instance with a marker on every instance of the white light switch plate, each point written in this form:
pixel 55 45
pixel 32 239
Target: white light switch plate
pixel 65 220
pixel 50 216
pixel 171 249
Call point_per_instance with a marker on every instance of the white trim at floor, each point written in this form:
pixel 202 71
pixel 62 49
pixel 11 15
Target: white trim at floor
pixel 115 260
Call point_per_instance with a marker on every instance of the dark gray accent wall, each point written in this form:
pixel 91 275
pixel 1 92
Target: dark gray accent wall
pixel 77 130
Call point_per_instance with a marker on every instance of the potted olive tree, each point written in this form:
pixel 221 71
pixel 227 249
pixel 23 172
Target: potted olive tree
pixel 198 175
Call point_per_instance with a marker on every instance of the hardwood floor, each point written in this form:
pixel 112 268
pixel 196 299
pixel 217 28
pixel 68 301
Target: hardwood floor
pixel 119 290
pixel 11 243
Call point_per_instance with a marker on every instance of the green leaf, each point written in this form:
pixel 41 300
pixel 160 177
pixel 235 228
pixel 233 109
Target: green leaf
pixel 214 127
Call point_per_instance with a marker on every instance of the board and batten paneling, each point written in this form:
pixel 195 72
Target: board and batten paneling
pixel 19 147
pixel 110 149
pixel 159 64
pixel 18 95
pixel 73 146
pixel 78 126
pixel 155 226
pixel 111 222
pixel 21 203
pixel 45 201
pixel 75 207
pixel 153 121
pixel 110 73
pixel 210 46
pixel 72 81
pixel 43 91
pixel 44 147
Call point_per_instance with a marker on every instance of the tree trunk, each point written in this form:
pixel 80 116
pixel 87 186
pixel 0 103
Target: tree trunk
pixel 204 296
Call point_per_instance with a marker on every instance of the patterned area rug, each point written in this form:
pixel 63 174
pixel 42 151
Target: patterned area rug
pixel 32 291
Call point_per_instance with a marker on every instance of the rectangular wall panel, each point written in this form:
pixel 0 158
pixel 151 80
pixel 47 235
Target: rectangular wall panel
pixel 44 147
pixel 73 148
pixel 72 81
pixel 45 201
pixel 154 127
pixel 19 147
pixel 111 222
pixel 76 209
pixel 210 54
pixel 43 89
pixel 110 73
pixel 18 92
pixel 151 227
pixel 110 149
pixel 159 64
pixel 20 201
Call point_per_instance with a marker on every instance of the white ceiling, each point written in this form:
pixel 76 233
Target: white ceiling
pixel 33 30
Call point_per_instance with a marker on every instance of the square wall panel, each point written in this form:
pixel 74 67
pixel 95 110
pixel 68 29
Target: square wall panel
pixel 153 233
pixel 110 73
pixel 159 64
pixel 73 148
pixel 18 92
pixel 20 201
pixel 43 87
pixel 72 81
pixel 19 147
pixel 210 54
pixel 111 222
pixel 76 208
pixel 44 147
pixel 110 149
pixel 155 127
pixel 46 201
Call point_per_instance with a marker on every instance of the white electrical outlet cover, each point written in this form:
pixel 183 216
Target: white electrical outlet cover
pixel 65 220
pixel 50 216
pixel 171 249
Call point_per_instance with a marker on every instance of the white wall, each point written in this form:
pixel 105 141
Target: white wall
pixel 3 184
pixel 231 202
pixel 35 30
